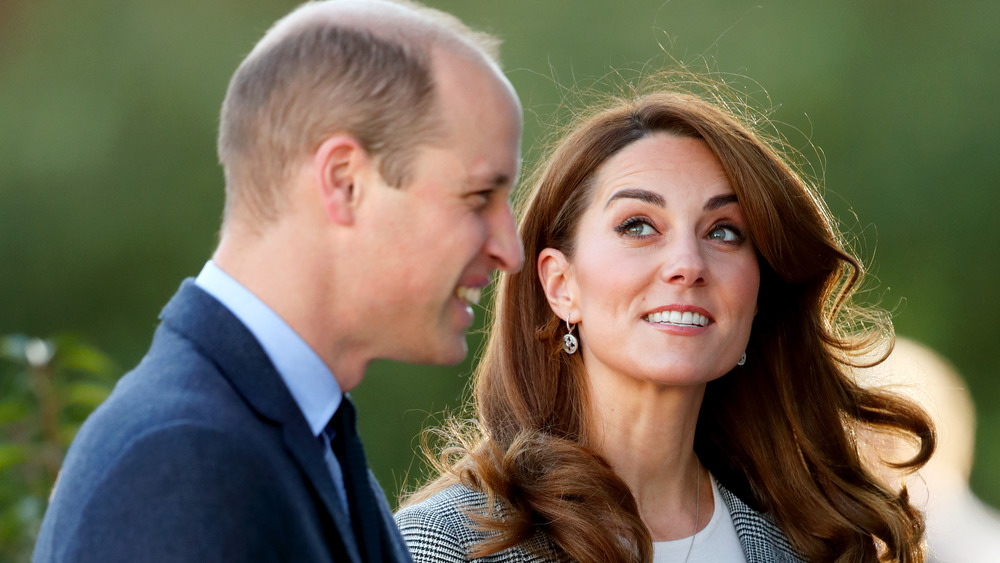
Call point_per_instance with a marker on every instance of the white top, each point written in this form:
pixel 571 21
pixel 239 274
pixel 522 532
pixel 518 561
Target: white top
pixel 716 543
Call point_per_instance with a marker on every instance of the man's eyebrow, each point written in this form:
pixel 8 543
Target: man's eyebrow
pixel 720 201
pixel 640 194
pixel 501 180
pixel 497 181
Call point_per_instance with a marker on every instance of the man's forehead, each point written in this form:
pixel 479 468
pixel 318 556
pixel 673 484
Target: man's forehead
pixel 492 170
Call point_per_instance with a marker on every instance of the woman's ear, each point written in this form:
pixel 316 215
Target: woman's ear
pixel 339 163
pixel 556 274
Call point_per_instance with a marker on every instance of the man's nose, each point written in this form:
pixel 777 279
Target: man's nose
pixel 504 245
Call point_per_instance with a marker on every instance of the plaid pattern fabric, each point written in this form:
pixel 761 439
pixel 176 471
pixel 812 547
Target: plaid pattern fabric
pixel 762 539
pixel 438 530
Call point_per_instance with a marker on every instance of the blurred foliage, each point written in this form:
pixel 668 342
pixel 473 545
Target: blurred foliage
pixel 47 389
pixel 110 192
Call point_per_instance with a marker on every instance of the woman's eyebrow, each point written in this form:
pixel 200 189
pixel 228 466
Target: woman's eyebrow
pixel 653 198
pixel 647 196
pixel 720 201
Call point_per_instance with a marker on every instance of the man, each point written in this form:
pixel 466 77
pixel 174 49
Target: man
pixel 369 149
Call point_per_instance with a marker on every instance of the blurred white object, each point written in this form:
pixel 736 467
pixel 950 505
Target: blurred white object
pixel 38 352
pixel 960 527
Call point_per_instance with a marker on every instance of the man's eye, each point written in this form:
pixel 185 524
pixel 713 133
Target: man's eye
pixel 480 199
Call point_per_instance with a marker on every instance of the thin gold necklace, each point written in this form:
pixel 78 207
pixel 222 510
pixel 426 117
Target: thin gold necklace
pixel 697 513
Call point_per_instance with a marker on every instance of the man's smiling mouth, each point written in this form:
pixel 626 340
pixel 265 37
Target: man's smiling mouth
pixel 470 295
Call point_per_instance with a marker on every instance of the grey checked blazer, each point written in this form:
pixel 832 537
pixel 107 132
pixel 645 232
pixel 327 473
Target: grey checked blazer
pixel 438 530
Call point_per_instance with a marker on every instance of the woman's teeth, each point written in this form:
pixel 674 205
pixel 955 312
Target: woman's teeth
pixel 678 318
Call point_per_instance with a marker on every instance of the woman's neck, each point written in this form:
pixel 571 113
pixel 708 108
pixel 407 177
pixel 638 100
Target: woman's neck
pixel 646 432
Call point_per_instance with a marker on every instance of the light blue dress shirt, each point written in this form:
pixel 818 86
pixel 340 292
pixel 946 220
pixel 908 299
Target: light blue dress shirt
pixel 309 380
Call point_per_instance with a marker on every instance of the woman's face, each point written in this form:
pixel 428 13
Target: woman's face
pixel 664 278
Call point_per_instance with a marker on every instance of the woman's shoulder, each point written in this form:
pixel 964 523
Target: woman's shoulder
pixel 440 529
pixel 447 510
pixel 760 535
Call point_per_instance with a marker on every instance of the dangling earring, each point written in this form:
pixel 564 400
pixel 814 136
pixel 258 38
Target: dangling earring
pixel 570 343
pixel 743 359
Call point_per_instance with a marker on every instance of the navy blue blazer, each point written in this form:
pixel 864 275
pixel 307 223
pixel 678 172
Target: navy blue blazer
pixel 201 454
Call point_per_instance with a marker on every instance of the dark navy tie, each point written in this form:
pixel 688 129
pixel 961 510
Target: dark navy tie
pixel 364 506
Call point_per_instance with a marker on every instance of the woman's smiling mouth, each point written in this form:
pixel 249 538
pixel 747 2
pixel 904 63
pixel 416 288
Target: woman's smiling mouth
pixel 685 318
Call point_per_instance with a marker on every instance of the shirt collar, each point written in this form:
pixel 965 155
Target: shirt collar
pixel 307 377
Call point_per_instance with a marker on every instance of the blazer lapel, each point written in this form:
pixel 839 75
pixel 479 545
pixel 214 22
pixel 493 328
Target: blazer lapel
pixel 393 546
pixel 762 539
pixel 303 446
pixel 232 347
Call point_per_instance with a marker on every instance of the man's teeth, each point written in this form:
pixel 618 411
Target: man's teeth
pixel 470 295
pixel 678 318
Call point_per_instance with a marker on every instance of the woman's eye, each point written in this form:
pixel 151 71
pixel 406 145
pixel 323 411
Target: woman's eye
pixel 725 234
pixel 636 227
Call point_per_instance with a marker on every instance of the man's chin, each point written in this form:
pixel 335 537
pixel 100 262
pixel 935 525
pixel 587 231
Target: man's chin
pixel 453 355
pixel 439 353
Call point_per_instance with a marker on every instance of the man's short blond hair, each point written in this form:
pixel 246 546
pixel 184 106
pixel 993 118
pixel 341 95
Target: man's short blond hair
pixel 349 66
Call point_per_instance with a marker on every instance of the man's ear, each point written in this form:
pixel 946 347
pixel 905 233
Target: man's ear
pixel 339 163
pixel 555 273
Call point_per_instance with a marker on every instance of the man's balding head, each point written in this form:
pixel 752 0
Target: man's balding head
pixel 357 67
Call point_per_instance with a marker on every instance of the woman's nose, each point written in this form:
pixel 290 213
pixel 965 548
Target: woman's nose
pixel 684 263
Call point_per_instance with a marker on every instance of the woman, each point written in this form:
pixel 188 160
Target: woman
pixel 671 376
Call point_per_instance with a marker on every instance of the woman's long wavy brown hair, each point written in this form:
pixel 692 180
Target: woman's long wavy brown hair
pixel 776 431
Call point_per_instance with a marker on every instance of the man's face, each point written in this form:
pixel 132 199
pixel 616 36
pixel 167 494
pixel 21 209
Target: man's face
pixel 435 242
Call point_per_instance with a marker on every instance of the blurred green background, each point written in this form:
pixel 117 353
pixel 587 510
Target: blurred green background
pixel 110 193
